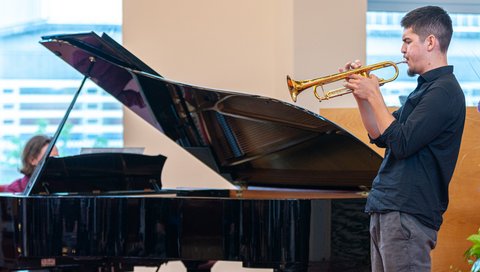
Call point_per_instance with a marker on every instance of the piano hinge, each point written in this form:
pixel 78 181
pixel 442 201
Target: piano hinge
pixel 241 186
pixel 239 193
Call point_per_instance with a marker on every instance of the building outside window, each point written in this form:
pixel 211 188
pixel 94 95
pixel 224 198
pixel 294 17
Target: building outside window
pixel 36 86
pixel 384 39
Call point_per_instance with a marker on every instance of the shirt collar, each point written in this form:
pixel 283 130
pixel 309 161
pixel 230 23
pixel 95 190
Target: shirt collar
pixel 435 73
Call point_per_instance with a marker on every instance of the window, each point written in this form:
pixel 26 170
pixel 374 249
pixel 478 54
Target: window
pixel 384 41
pixel 36 87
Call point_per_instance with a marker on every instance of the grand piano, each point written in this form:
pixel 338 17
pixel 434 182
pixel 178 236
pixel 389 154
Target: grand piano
pixel 300 182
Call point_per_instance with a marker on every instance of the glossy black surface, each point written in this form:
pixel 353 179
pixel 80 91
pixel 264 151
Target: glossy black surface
pixel 250 140
pixel 101 173
pixel 86 232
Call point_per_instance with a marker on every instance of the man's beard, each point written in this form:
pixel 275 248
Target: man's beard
pixel 411 73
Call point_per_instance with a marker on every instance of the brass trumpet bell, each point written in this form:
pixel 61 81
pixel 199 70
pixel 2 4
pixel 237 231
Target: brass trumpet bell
pixel 296 87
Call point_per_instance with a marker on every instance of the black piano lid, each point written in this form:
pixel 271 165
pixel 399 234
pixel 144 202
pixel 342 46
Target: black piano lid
pixel 251 140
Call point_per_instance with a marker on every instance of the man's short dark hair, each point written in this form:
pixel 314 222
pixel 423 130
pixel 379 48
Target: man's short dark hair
pixel 430 20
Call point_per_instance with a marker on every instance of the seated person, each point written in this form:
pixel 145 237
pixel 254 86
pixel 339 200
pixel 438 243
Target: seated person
pixel 31 155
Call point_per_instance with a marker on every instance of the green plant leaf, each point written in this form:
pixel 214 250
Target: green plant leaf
pixel 475 238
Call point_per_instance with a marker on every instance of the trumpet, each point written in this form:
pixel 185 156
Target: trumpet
pixel 296 87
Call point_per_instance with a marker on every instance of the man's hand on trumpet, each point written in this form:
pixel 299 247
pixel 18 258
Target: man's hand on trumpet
pixel 362 87
pixel 366 90
pixel 351 65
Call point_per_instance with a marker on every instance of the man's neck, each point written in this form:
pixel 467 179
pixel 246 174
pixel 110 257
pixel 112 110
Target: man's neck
pixel 435 61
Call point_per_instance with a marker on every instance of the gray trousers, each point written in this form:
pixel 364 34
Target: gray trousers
pixel 399 242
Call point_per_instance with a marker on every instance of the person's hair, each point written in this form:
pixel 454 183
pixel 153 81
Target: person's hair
pixel 31 150
pixel 430 20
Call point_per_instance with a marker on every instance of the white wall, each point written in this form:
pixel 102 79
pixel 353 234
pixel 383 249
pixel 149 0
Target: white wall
pixel 327 34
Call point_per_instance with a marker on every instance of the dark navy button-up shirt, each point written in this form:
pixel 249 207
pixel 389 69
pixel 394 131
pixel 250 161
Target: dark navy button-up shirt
pixel 422 147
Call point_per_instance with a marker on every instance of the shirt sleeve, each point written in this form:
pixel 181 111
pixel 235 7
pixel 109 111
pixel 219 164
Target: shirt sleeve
pixel 379 141
pixel 432 115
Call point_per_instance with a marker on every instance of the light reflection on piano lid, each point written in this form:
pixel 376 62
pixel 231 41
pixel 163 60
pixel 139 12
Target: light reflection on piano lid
pixel 251 140
pixel 109 71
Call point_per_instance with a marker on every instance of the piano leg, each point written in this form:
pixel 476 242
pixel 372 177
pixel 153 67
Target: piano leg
pixel 198 266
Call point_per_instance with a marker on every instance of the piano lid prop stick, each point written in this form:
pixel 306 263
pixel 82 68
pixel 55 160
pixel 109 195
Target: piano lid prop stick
pixel 39 169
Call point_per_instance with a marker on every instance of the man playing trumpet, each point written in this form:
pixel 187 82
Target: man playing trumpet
pixel 422 139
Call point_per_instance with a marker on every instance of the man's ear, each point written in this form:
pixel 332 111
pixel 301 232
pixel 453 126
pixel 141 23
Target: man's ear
pixel 431 42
